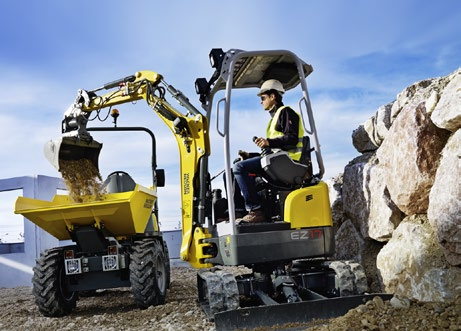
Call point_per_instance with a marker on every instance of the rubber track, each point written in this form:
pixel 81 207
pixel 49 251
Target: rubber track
pixel 230 290
pixel 360 278
pixel 214 291
pixel 344 278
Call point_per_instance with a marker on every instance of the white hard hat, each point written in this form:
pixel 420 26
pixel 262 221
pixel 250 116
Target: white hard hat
pixel 271 84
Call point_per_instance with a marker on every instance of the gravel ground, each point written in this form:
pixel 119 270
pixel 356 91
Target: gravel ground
pixel 115 310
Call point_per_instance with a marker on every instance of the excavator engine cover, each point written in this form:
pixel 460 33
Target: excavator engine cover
pixel 71 149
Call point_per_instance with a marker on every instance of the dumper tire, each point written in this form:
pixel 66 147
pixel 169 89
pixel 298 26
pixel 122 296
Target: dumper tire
pixel 51 297
pixel 148 273
pixel 167 264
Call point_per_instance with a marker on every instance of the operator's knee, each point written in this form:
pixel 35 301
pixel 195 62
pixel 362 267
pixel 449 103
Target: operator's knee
pixel 237 168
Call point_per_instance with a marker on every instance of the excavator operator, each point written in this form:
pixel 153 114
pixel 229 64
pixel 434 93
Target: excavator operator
pixel 284 132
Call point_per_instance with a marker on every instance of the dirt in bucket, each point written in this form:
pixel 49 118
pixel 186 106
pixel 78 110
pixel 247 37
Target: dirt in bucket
pixel 82 179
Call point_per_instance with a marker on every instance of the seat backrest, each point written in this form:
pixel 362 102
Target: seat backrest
pixel 280 168
pixel 118 181
pixel 306 154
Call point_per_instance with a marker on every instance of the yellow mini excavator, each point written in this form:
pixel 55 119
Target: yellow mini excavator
pixel 291 278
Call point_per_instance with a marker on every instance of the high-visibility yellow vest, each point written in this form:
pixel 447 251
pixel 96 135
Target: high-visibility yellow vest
pixel 271 133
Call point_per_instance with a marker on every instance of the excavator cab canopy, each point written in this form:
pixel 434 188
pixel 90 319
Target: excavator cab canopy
pixel 251 69
pixel 238 69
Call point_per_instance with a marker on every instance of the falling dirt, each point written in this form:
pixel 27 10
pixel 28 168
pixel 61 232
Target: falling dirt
pixel 82 179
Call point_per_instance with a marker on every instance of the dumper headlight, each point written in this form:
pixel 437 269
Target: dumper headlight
pixel 73 266
pixel 110 262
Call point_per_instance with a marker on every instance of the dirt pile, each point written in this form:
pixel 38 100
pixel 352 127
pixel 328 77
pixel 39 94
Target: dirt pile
pixel 398 315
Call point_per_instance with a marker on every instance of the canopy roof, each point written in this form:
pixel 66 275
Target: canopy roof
pixel 251 69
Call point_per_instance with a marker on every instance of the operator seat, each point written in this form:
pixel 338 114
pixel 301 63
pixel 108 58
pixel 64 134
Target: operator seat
pixel 282 170
pixel 120 181
pixel 117 182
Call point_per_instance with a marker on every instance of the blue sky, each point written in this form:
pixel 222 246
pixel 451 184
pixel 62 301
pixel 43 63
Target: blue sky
pixel 363 53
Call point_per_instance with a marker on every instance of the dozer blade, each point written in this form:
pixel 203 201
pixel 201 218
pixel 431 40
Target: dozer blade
pixel 71 149
pixel 290 316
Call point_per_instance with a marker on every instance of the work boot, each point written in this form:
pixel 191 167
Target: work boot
pixel 238 214
pixel 254 216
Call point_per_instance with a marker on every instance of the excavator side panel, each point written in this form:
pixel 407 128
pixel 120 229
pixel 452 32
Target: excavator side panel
pixel 284 245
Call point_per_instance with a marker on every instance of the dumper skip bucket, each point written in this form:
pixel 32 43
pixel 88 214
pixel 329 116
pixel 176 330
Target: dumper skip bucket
pixel 71 149
pixel 124 213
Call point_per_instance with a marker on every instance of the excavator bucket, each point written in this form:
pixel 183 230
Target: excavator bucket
pixel 71 149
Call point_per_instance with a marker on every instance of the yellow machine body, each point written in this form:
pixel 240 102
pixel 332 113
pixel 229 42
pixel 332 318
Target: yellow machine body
pixel 121 214
pixel 309 207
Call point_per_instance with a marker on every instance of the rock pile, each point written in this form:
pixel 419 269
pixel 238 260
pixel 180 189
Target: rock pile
pixel 398 205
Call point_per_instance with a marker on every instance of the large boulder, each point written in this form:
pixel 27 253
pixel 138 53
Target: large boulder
pixel 349 242
pixel 369 136
pixel 410 156
pixel 447 112
pixel 409 165
pixel 444 211
pixel 422 91
pixel 412 264
pixel 361 140
pixel 366 199
pixel 350 245
pixel 355 196
pixel 336 200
